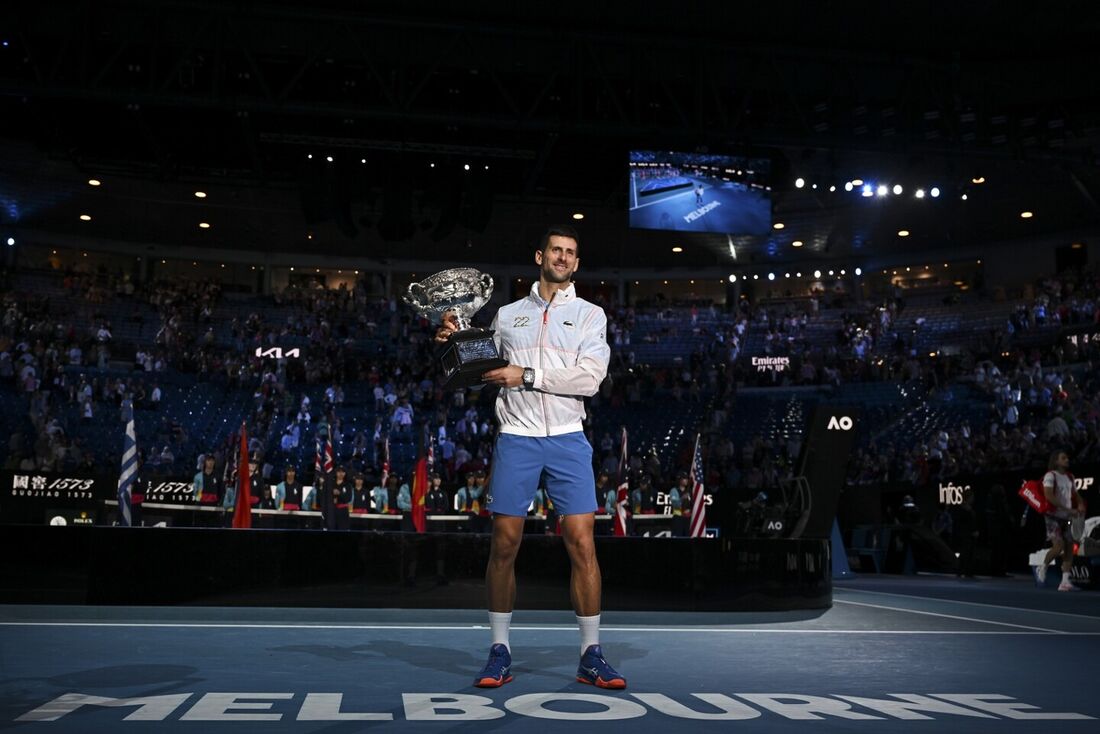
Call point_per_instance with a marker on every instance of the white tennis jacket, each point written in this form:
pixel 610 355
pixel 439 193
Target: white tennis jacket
pixel 565 341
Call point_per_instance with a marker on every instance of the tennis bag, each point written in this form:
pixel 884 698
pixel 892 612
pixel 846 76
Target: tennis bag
pixel 1034 496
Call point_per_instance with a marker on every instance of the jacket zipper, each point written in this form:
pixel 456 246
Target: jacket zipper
pixel 542 341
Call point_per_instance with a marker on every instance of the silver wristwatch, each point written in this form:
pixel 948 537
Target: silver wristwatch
pixel 528 377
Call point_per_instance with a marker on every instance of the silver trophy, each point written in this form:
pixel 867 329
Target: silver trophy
pixel 469 352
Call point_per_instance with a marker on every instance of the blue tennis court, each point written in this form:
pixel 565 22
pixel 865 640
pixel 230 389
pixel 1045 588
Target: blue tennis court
pixel 927 651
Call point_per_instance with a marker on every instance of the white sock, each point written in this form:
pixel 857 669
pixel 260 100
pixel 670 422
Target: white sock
pixel 500 623
pixel 590 631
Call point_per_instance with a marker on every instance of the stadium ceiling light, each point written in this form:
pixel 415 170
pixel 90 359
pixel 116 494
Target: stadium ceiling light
pixel 465 166
pixel 903 233
pixel 830 272
pixel 832 189
pixel 204 225
pixel 867 190
pixel 935 192
pixel 431 165
pixel 309 156
pixel 859 271
pixel 882 190
pixel 978 180
pixel 848 186
pixel 799 182
pixel 964 197
pixel 200 194
pixel 798 275
pixel 817 273
pixel 920 193
pixel 814 187
pixel 1026 215
pixel 11 243
pixel 85 217
pixel 677 249
pixel 796 243
pixel 362 160
pixel 756 277
pixel 786 275
pixel 94 182
pixel 328 158
pixel 898 190
pixel 778 225
pixel 842 272
pixel 578 215
pixel 733 278
pixel 771 276
pixel 857 182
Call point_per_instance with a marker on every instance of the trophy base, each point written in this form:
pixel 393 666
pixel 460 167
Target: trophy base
pixel 469 354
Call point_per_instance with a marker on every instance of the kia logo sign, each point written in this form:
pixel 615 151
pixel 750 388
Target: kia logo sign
pixel 841 423
pixel 277 353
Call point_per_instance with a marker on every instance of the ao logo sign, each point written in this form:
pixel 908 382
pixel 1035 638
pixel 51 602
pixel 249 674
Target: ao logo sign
pixel 843 423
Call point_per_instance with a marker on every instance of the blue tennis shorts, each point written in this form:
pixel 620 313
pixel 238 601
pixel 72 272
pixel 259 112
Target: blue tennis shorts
pixel 563 464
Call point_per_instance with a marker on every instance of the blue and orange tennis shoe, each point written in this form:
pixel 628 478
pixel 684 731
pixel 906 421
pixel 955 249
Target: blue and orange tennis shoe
pixel 498 670
pixel 595 671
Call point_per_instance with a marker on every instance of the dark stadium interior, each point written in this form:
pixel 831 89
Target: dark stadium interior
pixel 209 213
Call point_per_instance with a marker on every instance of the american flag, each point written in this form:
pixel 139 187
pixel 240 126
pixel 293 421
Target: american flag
pixel 698 501
pixel 129 468
pixel 622 496
pixel 385 462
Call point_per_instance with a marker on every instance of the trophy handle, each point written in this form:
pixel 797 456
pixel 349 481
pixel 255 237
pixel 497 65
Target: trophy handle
pixel 486 285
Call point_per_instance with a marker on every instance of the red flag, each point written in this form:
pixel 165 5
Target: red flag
pixel 242 511
pixel 698 500
pixel 419 492
pixel 622 497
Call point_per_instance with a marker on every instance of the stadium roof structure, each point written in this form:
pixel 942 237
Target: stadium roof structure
pixel 542 102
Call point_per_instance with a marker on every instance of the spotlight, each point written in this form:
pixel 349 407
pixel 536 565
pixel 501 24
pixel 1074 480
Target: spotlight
pixel 859 271
pixel 964 197
pixel 328 158
pixel 431 165
pixel 841 272
pixel 799 182
pixel 466 167
pixel 798 275
pixel 309 156
pixel 817 273
pixel 771 276
pixel 857 182
pixel 867 190
pixel 920 193
pixel 814 187
pixel 677 249
pixel 903 233
pixel 362 160
pixel 778 225
pixel 830 272
pixel 882 190
pixel 578 215
pixel 898 189
pixel 786 275
pixel 486 168
pixel 11 242
pixel 756 277
pixel 832 189
pixel 1026 215
pixel 93 182
pixel 935 192
pixel 200 194
pixel 204 225
pixel 978 180
pixel 85 217
pixel 733 278
pixel 848 186
pixel 796 243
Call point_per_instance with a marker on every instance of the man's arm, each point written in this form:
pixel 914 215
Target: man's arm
pixel 585 377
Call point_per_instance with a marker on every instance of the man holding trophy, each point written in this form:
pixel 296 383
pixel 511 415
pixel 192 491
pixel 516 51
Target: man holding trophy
pixel 548 352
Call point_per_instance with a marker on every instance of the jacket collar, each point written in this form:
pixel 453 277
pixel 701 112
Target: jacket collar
pixel 564 296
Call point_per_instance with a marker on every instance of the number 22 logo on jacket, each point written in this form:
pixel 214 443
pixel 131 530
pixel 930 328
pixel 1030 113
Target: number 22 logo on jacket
pixel 521 321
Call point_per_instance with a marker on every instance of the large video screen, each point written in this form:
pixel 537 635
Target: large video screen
pixel 700 192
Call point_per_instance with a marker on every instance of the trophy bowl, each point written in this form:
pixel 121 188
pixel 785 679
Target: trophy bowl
pixel 470 352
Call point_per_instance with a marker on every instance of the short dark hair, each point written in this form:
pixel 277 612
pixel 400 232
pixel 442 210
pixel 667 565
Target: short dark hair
pixel 1053 463
pixel 559 230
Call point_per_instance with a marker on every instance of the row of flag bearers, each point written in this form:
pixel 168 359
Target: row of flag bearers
pixel 337 496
